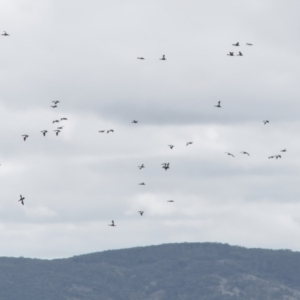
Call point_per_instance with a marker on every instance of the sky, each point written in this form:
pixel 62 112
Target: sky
pixel 84 54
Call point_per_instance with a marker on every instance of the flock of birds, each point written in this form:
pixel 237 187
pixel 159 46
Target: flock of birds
pixel 244 152
pixel 57 131
pixel 165 166
pixel 237 45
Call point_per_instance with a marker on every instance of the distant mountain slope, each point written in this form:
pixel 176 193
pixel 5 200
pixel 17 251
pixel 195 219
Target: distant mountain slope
pixel 188 271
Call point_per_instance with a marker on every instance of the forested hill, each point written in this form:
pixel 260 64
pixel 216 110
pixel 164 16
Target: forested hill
pixel 187 271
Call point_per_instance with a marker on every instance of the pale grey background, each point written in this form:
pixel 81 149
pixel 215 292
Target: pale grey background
pixel 84 53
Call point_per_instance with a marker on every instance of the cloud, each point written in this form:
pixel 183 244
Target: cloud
pixel 77 182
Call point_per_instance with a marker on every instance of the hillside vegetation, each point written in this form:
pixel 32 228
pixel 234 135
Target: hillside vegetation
pixel 187 271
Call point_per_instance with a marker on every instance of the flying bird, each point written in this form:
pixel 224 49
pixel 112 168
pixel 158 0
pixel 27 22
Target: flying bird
pixel 219 104
pixel 270 157
pixel 55 102
pixel 22 199
pixel 245 153
pixel 44 132
pixel 142 58
pixel 277 156
pixel 55 121
pixel 166 166
pixel 5 33
pixel 141 166
pixel 229 154
pixel 240 53
pixel 266 121
pixel 284 150
pixel 112 224
pixel 141 212
pixel 57 131
pixel 134 121
pixel 248 44
pixel 61 127
pixel 163 58
pixel 237 44
pixel 170 201
pixel 53 106
pixel 230 54
pixel 189 143
pixel 63 119
pixel 171 146
pixel 110 130
pixel 142 183
pixel 25 136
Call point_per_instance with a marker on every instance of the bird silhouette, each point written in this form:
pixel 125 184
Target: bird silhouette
pixel 141 166
pixel 229 154
pixel 44 132
pixel 240 53
pixel 237 44
pixel 134 121
pixel 166 166
pixel 230 54
pixel 110 130
pixel 219 104
pixel 248 44
pixel 5 33
pixel 53 106
pixel 189 143
pixel 55 121
pixel 142 183
pixel 170 201
pixel 101 131
pixel 244 152
pixel 266 121
pixel 112 224
pixel 25 136
pixel 22 199
pixel 163 58
pixel 141 212
pixel 284 150
pixel 57 131
pixel 55 102
pixel 142 58
pixel 171 146
pixel 62 119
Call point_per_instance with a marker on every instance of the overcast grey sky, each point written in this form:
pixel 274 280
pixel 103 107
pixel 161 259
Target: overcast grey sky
pixel 84 54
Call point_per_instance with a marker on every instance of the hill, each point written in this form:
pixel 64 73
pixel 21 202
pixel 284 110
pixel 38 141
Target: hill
pixel 187 271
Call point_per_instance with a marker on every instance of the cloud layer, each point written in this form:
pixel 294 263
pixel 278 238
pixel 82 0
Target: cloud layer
pixel 85 55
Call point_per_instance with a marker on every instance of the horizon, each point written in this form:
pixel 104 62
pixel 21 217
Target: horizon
pixel 148 246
